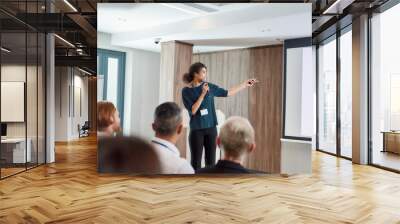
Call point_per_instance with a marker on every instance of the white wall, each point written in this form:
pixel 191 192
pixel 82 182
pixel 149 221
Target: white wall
pixel 61 104
pixel 293 118
pixel 80 82
pixel 12 73
pixel 67 81
pixel 17 73
pixel 300 91
pixel 142 80
pixel 145 94
pixel 314 74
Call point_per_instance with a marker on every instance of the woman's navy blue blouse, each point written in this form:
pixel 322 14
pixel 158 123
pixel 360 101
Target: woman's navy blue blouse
pixel 205 117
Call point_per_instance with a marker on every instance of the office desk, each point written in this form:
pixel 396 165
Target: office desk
pixel 13 150
pixel 391 142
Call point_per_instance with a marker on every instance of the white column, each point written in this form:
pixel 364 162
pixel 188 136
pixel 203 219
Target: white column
pixel 50 98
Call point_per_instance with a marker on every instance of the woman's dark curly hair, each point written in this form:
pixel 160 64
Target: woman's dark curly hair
pixel 194 68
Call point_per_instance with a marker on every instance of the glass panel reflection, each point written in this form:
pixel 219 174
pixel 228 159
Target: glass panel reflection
pixel 327 97
pixel 15 151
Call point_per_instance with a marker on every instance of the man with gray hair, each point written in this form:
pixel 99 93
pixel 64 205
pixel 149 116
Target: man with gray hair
pixel 236 139
pixel 168 128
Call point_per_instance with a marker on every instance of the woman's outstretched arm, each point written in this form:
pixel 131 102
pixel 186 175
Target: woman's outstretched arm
pixel 250 82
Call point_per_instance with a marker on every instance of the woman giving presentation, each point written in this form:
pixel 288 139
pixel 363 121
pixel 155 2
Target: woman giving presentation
pixel 198 98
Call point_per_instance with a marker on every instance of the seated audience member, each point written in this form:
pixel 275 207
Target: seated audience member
pixel 168 127
pixel 108 121
pixel 236 139
pixel 128 155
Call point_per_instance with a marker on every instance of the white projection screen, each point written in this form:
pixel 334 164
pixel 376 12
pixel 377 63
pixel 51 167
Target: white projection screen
pixel 300 98
pixel 12 101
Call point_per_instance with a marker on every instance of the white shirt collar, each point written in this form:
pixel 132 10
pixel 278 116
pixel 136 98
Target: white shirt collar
pixel 166 145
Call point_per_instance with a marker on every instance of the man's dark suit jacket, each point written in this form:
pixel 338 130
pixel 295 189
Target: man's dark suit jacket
pixel 226 166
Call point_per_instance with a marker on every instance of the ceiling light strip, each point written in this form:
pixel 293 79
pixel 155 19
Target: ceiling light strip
pixel 86 72
pixel 64 40
pixel 70 5
pixel 5 50
pixel 344 4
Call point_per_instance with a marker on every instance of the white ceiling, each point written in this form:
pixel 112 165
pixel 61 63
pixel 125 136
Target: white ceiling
pixel 209 26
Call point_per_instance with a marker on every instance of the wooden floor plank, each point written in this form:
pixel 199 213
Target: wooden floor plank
pixel 71 191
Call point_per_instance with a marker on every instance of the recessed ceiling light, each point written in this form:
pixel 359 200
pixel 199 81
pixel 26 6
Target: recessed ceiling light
pixel 84 71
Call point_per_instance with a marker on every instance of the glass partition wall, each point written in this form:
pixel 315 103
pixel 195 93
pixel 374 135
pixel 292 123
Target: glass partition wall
pixel 327 95
pixel 334 89
pixel 335 103
pixel 385 89
pixel 22 107
pixel 345 65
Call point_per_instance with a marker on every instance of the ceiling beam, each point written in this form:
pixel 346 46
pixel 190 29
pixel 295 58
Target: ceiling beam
pixel 81 61
pixel 86 26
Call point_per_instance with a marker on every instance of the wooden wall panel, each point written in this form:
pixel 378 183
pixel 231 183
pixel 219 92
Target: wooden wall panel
pixel 356 91
pixel 183 60
pixel 261 104
pixel 167 66
pixel 265 106
pixel 182 143
pixel 227 69
pixel 360 90
pixel 176 58
pixel 92 107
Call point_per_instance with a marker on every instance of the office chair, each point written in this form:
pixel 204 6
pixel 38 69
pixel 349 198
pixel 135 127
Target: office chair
pixel 84 130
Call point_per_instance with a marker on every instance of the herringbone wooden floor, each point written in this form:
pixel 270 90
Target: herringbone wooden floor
pixel 70 191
